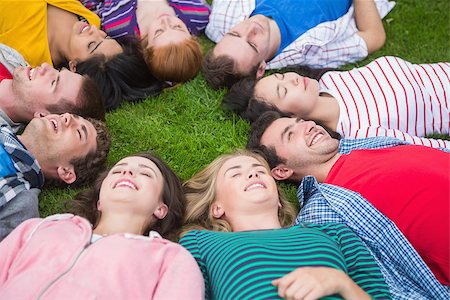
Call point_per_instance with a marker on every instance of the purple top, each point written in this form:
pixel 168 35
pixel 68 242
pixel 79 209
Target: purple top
pixel 118 17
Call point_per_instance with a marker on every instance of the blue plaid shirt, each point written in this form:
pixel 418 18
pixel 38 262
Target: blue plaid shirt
pixel 405 272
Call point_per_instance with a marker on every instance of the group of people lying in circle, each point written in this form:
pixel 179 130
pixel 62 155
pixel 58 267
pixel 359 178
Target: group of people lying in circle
pixel 373 188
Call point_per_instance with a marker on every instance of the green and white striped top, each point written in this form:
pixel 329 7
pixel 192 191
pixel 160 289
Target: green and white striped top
pixel 242 265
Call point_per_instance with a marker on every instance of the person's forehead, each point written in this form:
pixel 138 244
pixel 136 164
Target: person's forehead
pixel 170 36
pixel 91 131
pixel 265 87
pixel 238 49
pixel 272 135
pixel 108 47
pixel 69 85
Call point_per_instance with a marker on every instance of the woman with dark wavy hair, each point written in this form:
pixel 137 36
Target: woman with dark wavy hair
pixel 388 97
pixel 124 77
pixel 110 249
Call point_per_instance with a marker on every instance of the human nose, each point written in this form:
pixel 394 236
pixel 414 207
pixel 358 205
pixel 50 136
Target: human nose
pixel 128 171
pixel 252 28
pixel 292 78
pixel 44 68
pixel 164 22
pixel 308 126
pixel 252 174
pixel 96 32
pixel 67 119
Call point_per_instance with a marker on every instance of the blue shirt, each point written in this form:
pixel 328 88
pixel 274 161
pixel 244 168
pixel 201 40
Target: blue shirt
pixel 6 163
pixel 295 17
pixel 405 272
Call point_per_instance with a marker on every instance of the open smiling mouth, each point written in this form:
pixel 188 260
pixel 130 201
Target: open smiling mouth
pixel 256 185
pixel 127 184
pixel 316 138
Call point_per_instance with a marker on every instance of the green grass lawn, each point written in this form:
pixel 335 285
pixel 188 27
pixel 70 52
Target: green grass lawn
pixel 188 129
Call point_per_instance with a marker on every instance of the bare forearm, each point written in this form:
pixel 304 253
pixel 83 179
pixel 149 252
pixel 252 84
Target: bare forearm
pixel 369 24
pixel 351 291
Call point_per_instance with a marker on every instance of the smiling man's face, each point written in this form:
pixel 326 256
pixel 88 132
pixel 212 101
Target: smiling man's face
pixel 62 137
pixel 301 144
pixel 40 87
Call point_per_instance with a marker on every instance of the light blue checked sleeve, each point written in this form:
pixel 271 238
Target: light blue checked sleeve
pixel 347 145
pixel 405 272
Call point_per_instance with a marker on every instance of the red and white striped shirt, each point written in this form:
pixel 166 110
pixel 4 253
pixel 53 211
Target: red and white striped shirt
pixel 392 97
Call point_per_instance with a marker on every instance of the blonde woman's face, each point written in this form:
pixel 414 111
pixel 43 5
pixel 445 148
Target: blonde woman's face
pixel 245 184
pixel 165 30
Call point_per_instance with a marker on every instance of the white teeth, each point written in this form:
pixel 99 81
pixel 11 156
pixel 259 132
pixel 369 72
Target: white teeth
pixel 254 186
pixel 85 28
pixel 316 138
pixel 126 184
pixel 31 73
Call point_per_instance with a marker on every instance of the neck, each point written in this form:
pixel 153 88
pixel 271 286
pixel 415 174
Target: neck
pixel 49 168
pixel 8 101
pixel 148 10
pixel 275 39
pixel 256 221
pixel 59 29
pixel 120 222
pixel 326 112
pixel 320 172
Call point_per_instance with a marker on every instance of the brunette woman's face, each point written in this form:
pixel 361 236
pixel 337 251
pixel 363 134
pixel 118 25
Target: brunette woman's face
pixel 87 41
pixel 289 92
pixel 135 185
pixel 244 184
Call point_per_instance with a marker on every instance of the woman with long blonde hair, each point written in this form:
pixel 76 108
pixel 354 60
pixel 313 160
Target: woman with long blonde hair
pixel 239 229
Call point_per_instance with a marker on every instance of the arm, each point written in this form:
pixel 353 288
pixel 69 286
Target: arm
pixel 181 279
pixel 316 282
pixel 189 242
pixel 22 207
pixel 369 24
pixel 415 140
pixel 361 266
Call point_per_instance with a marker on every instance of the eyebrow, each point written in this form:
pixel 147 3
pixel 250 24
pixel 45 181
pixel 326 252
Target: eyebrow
pixel 57 81
pixel 236 35
pixel 139 165
pixel 239 167
pixel 233 34
pixel 96 46
pixel 83 127
pixel 148 167
pixel 285 131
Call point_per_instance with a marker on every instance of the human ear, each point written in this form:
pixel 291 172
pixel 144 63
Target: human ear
pixel 73 65
pixel 67 174
pixel 281 172
pixel 261 70
pixel 217 210
pixel 161 211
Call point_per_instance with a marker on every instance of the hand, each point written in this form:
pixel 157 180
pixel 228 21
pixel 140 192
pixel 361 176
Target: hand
pixel 309 283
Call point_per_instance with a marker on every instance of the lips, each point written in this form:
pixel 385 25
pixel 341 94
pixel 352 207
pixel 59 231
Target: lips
pixel 316 137
pixel 255 185
pixel 125 183
pixel 55 124
pixel 30 73
pixel 84 27
pixel 305 82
